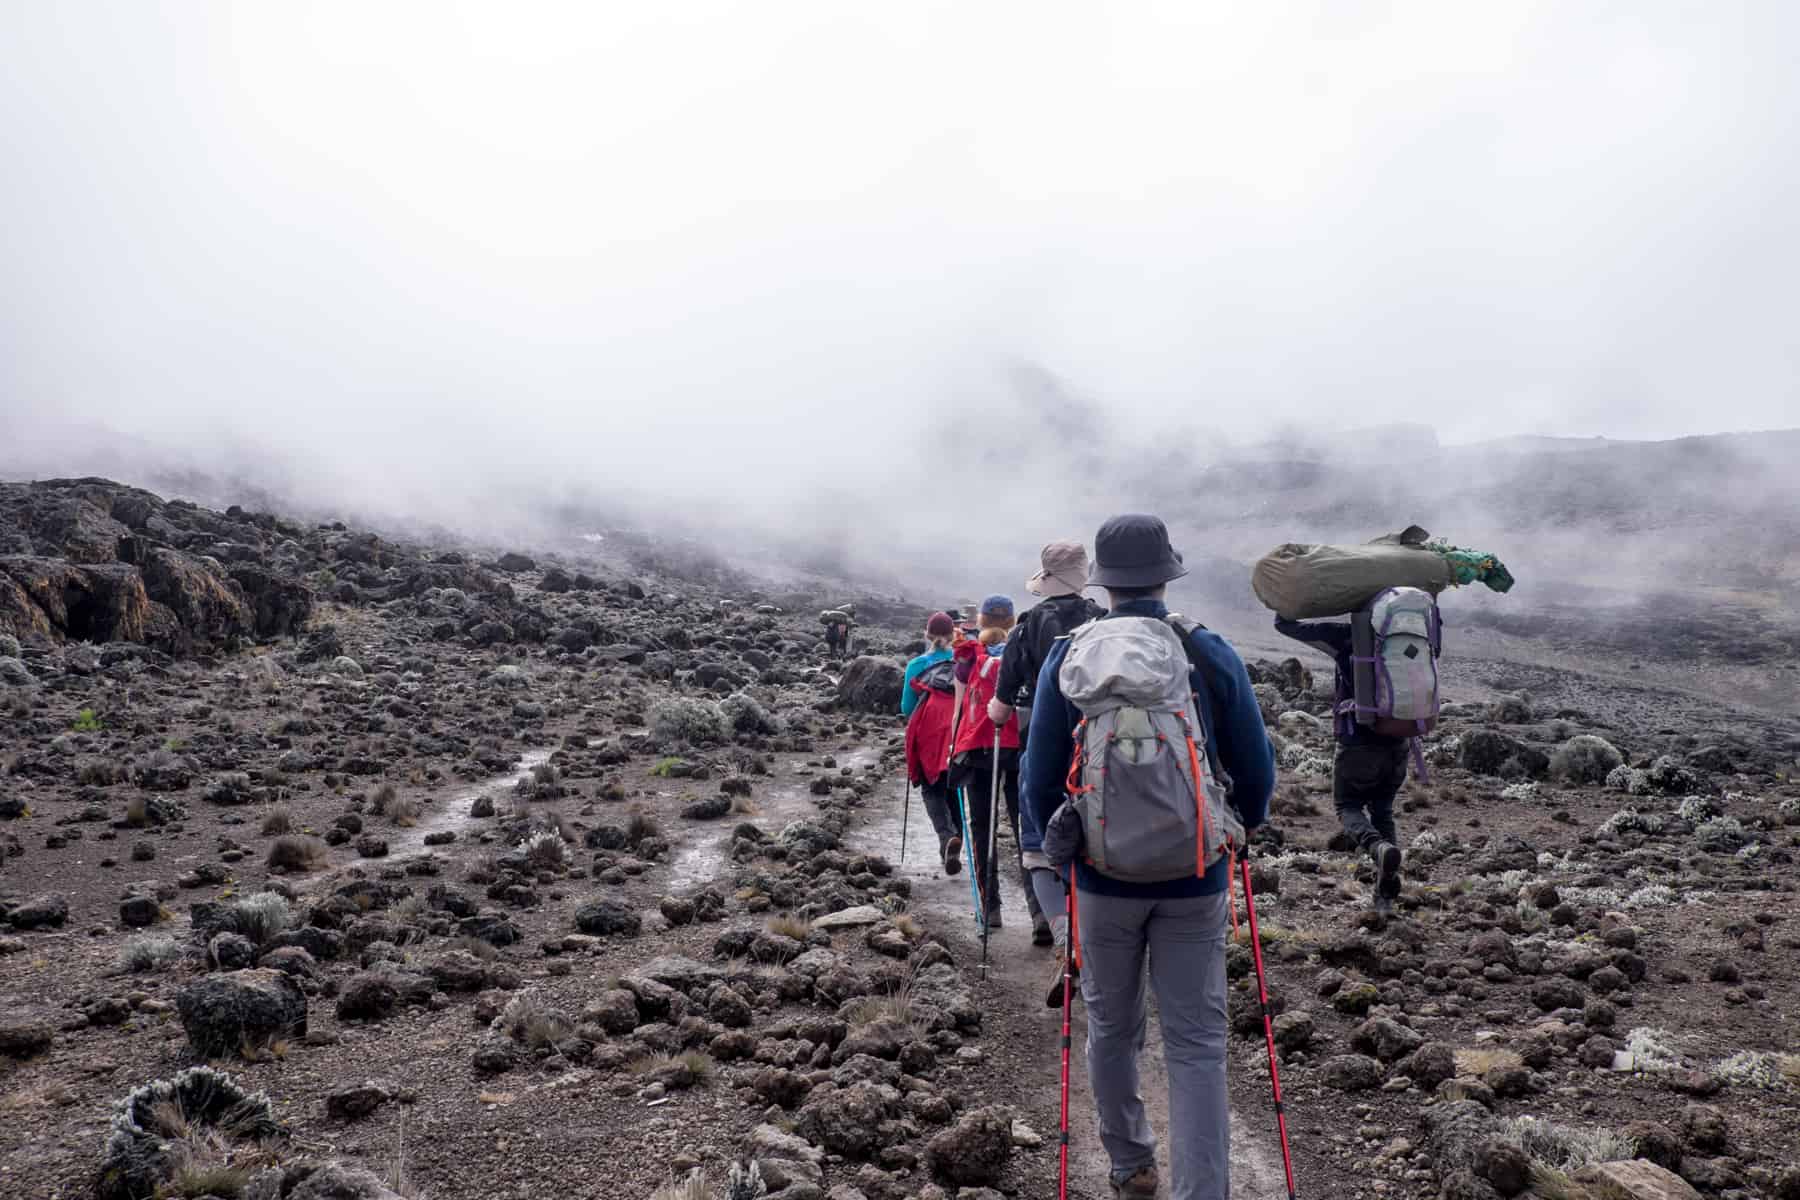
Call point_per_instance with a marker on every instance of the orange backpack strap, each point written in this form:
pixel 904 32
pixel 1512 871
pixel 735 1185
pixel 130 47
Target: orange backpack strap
pixel 1199 798
pixel 1072 784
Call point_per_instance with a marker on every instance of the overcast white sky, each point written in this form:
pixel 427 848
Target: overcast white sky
pixel 673 244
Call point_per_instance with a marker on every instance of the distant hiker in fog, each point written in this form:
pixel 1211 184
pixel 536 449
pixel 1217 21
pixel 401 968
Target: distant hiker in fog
pixel 1371 765
pixel 979 739
pixel 928 699
pixel 838 622
pixel 1062 574
pixel 1160 716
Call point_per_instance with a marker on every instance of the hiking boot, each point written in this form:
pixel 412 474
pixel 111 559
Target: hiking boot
pixel 953 855
pixel 1384 904
pixel 1387 869
pixel 993 918
pixel 1040 932
pixel 1054 997
pixel 1140 1186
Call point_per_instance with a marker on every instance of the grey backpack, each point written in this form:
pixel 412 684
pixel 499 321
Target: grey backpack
pixel 1396 639
pixel 1151 803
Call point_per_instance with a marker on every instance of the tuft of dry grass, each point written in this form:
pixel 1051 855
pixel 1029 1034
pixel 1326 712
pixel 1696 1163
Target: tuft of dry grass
pixel 640 825
pixel 278 821
pixel 689 1068
pixel 168 1118
pixel 193 1180
pixel 744 806
pixel 694 1187
pixel 788 925
pixel 384 796
pixel 148 953
pixel 137 812
pixel 1478 1062
pixel 403 811
pixel 296 852
pixel 480 948
pixel 909 927
pixel 396 1178
pixel 1551 1184
pixel 527 1021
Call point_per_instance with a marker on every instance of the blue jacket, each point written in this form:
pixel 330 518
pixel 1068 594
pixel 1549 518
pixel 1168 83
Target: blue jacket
pixel 1234 729
pixel 909 699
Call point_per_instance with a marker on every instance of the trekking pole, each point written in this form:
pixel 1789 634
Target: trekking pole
pixel 1262 991
pixel 962 800
pixel 1062 1171
pixel 905 816
pixel 993 835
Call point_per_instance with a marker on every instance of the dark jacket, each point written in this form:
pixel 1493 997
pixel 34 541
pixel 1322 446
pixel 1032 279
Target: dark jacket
pixel 1334 638
pixel 1234 730
pixel 1030 644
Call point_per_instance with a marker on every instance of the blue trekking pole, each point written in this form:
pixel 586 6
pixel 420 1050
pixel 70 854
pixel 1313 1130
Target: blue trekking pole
pixel 962 800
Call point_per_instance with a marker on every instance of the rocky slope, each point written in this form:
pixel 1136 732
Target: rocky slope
pixel 473 876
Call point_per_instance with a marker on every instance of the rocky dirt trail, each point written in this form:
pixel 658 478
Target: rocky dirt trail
pixel 457 875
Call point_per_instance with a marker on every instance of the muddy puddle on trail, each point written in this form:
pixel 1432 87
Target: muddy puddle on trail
pixel 1029 1034
pixel 452 815
pixel 782 797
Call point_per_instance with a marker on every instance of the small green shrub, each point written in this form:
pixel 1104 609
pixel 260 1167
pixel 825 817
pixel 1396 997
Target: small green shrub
pixel 683 721
pixel 87 721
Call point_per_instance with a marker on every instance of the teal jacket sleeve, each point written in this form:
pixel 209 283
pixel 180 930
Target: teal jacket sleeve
pixel 909 699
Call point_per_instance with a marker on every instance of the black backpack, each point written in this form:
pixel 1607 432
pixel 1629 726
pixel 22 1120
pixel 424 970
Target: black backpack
pixel 939 676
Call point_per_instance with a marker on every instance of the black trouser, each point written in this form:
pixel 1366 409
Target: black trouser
pixel 974 773
pixel 1364 783
pixel 941 807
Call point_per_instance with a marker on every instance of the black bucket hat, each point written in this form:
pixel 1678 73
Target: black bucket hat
pixel 1133 551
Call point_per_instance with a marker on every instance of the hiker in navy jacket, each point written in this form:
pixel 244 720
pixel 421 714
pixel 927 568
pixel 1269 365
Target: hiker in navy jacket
pixel 1180 923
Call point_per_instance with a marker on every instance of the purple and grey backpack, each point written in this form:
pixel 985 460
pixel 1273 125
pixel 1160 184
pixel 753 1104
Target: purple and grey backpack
pixel 1395 642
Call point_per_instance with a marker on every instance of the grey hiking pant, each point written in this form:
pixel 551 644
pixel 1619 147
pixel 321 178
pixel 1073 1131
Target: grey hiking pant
pixel 1185 941
pixel 1052 898
pixel 941 807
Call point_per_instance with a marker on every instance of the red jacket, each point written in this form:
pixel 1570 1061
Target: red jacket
pixel 976 732
pixel 928 735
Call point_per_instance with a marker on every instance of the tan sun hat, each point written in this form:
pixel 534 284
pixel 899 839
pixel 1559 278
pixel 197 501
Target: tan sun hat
pixel 1064 573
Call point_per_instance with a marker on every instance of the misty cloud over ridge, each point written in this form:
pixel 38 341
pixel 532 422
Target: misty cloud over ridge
pixel 799 266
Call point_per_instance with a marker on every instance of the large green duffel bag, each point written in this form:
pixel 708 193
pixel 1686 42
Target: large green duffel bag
pixel 1301 581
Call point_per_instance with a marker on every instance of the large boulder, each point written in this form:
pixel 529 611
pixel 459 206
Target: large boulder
pixel 1489 752
pixel 25 1032
pixel 974 1151
pixel 1585 758
pixel 318 1181
pixel 49 911
pixel 1637 1179
pixel 871 685
pixel 602 917
pixel 279 605
pixel 847 1121
pixel 1351 1073
pixel 209 607
pixel 104 603
pixel 224 1013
